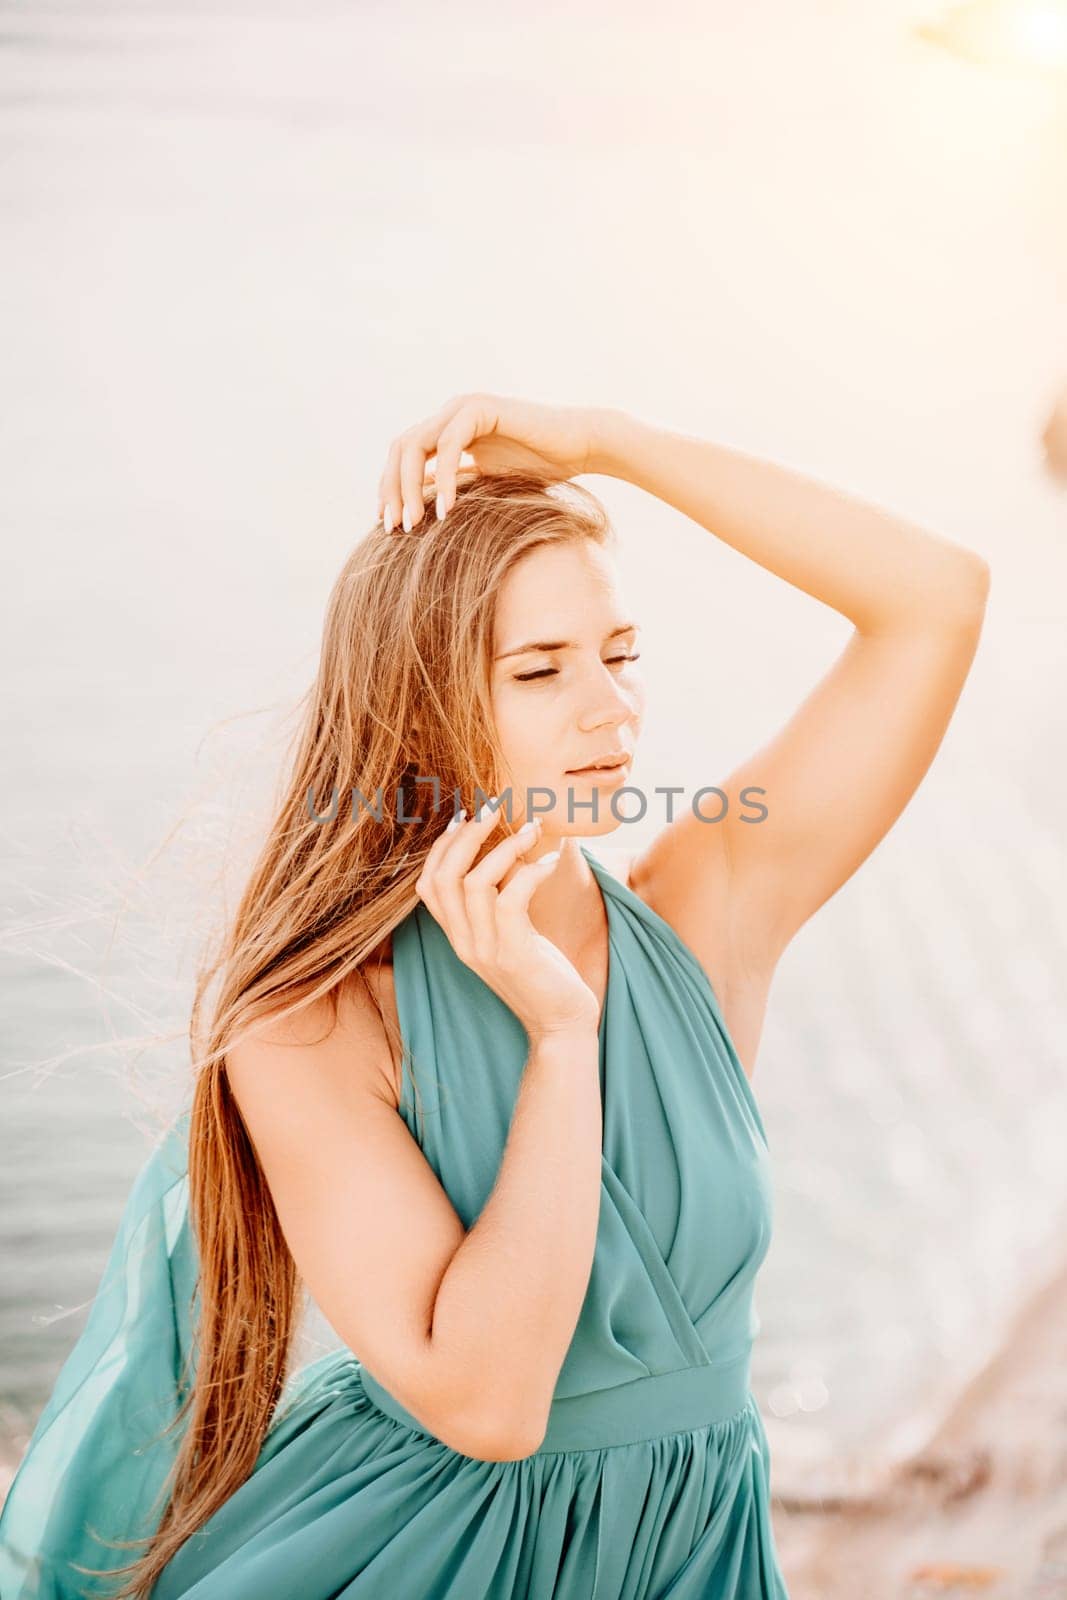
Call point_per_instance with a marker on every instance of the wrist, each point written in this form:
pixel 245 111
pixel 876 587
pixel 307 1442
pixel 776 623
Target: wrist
pixel 609 431
pixel 564 1043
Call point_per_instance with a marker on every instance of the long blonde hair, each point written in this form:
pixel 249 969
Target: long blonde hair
pixel 402 692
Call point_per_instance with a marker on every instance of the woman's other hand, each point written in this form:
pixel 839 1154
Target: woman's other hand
pixel 499 433
pixel 490 929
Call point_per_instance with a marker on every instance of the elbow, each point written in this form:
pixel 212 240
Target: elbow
pixel 953 597
pixel 489 1418
pixel 516 1439
pixel 487 1423
pixel 509 1444
pixel 498 1438
pixel 958 601
pixel 983 576
pixel 972 591
pixel 482 1424
pixel 485 1430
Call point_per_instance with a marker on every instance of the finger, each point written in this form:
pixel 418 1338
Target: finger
pixel 440 844
pixel 424 883
pixel 389 496
pixel 425 437
pixel 412 467
pixel 512 902
pixel 450 447
pixel 480 884
pixel 393 492
pixel 503 882
pixel 427 432
pixel 498 859
pixel 456 857
pixel 446 435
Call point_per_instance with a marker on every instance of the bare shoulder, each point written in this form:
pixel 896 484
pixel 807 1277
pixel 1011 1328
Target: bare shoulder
pixel 370 996
pixel 345 1030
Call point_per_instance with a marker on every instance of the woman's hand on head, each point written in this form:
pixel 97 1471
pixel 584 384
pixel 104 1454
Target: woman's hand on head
pixel 499 433
pixel 483 910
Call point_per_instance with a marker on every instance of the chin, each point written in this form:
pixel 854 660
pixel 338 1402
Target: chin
pixel 583 826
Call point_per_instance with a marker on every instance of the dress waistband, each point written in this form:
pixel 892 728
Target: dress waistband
pixel 645 1408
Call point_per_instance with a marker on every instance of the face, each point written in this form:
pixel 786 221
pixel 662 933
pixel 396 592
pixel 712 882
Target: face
pixel 566 692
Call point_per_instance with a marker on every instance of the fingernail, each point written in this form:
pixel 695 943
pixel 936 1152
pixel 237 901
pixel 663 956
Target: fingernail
pixel 548 860
pixel 387 519
pixel 526 829
pixel 440 507
pixel 407 520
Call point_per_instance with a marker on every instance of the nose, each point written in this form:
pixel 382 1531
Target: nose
pixel 611 706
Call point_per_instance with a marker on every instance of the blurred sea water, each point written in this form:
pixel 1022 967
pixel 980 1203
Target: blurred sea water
pixel 243 248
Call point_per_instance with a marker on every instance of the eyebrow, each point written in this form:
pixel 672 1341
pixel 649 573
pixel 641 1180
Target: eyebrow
pixel 559 644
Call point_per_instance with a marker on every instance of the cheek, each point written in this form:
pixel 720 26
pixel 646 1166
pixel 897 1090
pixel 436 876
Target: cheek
pixel 522 726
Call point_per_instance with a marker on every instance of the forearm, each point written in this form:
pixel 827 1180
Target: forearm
pixel 508 1304
pixel 874 568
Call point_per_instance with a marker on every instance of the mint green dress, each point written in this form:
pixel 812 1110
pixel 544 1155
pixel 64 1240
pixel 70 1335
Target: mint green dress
pixel 653 1480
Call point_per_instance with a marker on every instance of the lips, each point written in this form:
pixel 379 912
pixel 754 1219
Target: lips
pixel 606 764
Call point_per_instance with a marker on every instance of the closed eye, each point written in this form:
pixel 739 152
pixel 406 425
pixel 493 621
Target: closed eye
pixel 551 672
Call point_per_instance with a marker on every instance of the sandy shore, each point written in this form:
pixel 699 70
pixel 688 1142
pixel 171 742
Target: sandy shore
pixel 981 1510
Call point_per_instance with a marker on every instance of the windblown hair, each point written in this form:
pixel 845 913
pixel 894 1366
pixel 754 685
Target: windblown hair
pixel 403 691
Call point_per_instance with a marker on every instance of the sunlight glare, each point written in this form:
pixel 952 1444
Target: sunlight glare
pixel 1004 32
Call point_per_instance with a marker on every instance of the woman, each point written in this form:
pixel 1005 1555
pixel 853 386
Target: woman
pixel 487 1099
